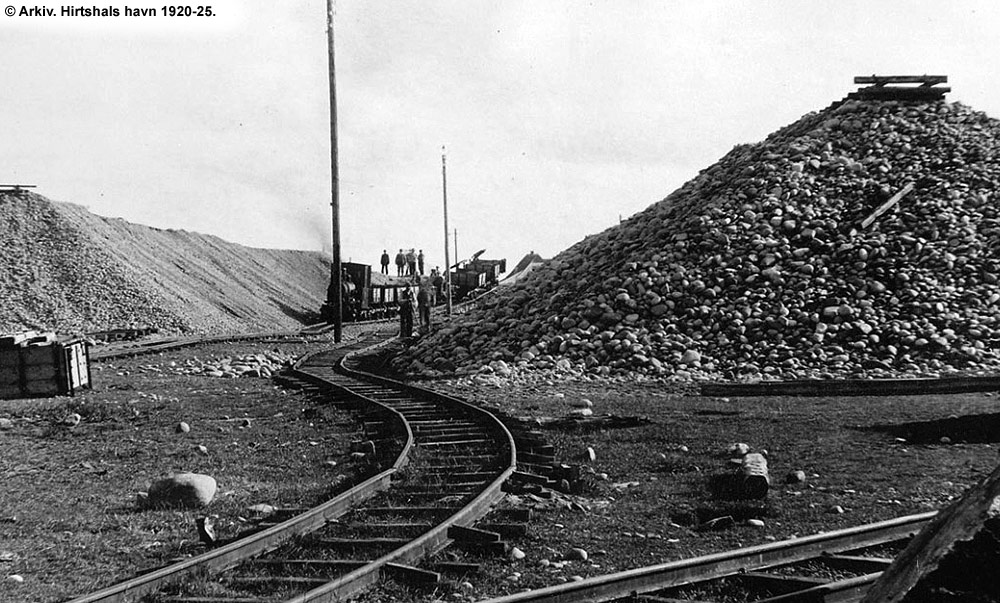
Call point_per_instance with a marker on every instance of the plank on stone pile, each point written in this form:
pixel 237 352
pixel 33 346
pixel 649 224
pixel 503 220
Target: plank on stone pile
pixel 954 558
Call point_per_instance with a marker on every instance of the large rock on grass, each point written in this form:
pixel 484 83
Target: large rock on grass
pixel 181 491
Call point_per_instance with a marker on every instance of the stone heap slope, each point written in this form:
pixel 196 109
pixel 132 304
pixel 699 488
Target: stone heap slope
pixel 758 268
pixel 66 269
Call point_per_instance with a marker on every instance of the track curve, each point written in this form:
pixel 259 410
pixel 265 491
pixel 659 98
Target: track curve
pixel 427 450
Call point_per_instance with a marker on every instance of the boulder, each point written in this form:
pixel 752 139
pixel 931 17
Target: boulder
pixel 181 491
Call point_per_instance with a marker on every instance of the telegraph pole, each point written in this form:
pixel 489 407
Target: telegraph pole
pixel 337 286
pixel 455 240
pixel 447 260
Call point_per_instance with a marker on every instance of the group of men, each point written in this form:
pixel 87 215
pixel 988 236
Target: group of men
pixel 428 290
pixel 408 263
pixel 424 298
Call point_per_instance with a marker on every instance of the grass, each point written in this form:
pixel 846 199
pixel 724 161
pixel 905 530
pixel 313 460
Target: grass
pixel 68 512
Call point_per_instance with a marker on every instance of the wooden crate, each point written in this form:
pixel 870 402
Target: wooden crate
pixel 52 369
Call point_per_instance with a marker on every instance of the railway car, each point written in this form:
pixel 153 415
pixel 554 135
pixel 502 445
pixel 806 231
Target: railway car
pixel 476 276
pixel 363 299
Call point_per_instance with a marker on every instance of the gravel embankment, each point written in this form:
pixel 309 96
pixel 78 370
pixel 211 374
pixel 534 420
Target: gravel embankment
pixel 66 269
pixel 758 268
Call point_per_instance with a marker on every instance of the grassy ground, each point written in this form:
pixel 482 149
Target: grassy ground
pixel 68 521
pixel 68 516
pixel 867 459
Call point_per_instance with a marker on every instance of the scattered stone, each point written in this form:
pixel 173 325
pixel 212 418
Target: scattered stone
pixel 718 523
pixel 795 477
pixel 182 427
pixel 206 530
pixel 181 490
pixel 755 523
pixel 202 449
pixel 72 419
pixel 6 556
pixel 738 450
pixel 261 510
pixel 517 554
pixel 582 403
pixel 945 440
pixel 590 454
pixel 837 510
pixel 6 423
pixel 575 554
pixel 16 578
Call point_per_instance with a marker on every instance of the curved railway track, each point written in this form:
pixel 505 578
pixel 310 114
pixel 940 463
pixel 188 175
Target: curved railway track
pixel 437 467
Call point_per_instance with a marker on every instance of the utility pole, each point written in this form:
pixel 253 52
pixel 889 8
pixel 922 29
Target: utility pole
pixel 456 245
pixel 447 260
pixel 337 286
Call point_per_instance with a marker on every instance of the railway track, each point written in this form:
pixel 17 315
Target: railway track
pixel 437 467
pixel 836 566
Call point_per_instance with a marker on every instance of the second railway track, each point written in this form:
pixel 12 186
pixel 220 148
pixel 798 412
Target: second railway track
pixel 437 467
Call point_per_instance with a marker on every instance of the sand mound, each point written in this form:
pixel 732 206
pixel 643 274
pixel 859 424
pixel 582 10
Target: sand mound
pixel 66 269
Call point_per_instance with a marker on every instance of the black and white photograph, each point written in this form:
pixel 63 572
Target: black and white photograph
pixel 453 301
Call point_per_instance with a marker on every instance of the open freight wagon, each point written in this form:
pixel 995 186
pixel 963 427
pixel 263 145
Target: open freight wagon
pixel 34 365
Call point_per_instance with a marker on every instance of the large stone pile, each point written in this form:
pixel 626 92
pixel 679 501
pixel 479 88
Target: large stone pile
pixel 758 266
pixel 65 269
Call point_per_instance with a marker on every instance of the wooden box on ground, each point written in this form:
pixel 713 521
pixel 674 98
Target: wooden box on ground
pixel 48 368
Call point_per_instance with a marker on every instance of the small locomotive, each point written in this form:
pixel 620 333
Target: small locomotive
pixel 363 299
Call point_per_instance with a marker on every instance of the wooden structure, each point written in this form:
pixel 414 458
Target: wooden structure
pixel 38 364
pixel 888 87
pixel 954 558
pixel 17 189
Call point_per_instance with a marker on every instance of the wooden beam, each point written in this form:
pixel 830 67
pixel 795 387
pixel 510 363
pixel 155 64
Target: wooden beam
pixel 960 542
pixel 881 209
pixel 780 584
pixel 472 534
pixel 880 80
pixel 410 574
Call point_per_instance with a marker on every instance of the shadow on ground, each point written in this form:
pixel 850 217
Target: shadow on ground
pixel 971 429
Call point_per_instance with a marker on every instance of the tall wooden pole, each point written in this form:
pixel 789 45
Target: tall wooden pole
pixel 338 300
pixel 456 245
pixel 447 259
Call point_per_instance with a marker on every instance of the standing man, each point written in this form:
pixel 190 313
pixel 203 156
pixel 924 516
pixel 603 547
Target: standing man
pixel 438 281
pixel 411 263
pixel 400 262
pixel 385 262
pixel 424 306
pixel 420 262
pixel 406 312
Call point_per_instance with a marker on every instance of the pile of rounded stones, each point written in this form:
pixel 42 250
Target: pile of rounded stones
pixel 249 365
pixel 760 268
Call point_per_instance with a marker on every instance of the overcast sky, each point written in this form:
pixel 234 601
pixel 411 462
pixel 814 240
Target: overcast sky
pixel 558 116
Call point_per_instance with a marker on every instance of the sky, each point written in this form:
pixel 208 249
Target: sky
pixel 557 117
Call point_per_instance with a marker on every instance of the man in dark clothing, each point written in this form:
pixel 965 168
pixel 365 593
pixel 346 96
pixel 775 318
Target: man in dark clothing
pixel 420 262
pixel 406 313
pixel 424 308
pixel 385 262
pixel 438 281
pixel 400 263
pixel 411 263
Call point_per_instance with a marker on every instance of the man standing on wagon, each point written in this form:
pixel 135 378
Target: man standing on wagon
pixel 385 262
pixel 400 262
